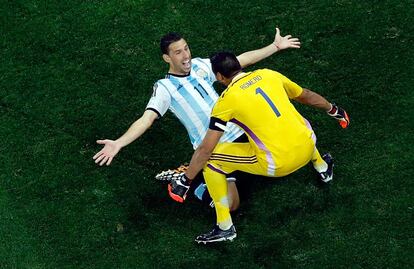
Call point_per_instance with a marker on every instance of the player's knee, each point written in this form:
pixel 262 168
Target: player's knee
pixel 234 205
pixel 233 195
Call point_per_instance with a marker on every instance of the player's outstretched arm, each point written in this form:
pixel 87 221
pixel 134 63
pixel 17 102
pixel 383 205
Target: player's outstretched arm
pixel 311 98
pixel 279 43
pixel 112 147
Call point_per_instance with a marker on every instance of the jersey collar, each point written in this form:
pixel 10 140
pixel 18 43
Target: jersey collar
pixel 238 77
pixel 178 76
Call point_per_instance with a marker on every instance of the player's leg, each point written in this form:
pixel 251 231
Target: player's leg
pixel 224 229
pixel 227 158
pixel 227 199
pixel 318 162
pixel 201 193
pixel 218 189
pixel 322 164
pixel 233 196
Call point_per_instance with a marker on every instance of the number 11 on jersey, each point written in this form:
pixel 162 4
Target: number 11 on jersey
pixel 271 104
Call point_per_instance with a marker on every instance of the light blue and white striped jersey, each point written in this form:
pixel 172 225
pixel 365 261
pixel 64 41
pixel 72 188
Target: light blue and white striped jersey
pixel 191 98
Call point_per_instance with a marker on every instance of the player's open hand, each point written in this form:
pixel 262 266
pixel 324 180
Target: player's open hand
pixel 285 42
pixel 105 156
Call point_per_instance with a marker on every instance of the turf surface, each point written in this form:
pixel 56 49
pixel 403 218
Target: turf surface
pixel 76 71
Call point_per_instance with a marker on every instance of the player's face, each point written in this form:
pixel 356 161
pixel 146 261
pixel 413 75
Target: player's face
pixel 179 58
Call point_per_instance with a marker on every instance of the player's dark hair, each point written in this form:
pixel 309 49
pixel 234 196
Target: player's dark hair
pixel 226 63
pixel 166 41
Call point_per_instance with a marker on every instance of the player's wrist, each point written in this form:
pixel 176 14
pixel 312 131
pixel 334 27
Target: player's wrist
pixel 186 178
pixel 331 109
pixel 276 45
pixel 120 144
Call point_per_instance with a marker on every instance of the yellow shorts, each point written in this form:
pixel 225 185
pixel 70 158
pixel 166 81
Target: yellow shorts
pixel 230 157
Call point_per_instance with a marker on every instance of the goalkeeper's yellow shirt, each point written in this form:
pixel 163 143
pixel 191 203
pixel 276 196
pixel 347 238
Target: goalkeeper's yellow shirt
pixel 259 103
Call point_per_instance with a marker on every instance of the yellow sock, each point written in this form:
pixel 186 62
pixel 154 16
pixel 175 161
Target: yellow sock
pixel 217 187
pixel 318 163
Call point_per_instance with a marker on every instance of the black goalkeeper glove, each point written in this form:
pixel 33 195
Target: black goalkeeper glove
pixel 179 187
pixel 339 114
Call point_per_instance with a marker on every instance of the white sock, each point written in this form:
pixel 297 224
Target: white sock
pixel 321 168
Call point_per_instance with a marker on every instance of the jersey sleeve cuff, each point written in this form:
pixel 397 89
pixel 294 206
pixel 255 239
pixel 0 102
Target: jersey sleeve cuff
pixel 156 111
pixel 217 124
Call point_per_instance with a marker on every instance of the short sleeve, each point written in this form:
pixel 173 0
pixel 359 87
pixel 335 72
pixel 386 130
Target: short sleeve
pixel 160 100
pixel 205 65
pixel 292 89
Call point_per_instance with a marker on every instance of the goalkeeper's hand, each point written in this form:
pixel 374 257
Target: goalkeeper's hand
pixel 339 114
pixel 179 187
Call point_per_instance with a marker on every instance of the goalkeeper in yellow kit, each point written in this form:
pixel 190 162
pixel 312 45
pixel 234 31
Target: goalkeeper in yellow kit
pixel 280 140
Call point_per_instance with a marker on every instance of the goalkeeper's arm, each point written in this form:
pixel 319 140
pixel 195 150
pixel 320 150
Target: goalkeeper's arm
pixel 311 98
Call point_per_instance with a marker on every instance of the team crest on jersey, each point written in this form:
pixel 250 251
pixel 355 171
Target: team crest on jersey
pixel 201 73
pixel 154 89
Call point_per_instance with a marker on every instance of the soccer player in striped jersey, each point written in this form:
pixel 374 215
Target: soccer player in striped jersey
pixel 187 91
pixel 280 140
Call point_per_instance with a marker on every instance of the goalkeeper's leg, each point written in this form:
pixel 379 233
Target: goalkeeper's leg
pixel 318 163
pixel 323 165
pixel 201 192
pixel 218 192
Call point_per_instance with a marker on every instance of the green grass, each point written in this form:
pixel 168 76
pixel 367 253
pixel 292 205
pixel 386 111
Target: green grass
pixel 72 72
